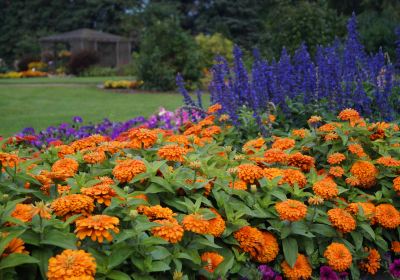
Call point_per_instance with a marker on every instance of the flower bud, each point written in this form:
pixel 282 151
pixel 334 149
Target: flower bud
pixel 133 213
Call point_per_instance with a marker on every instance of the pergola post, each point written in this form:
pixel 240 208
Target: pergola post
pixel 117 53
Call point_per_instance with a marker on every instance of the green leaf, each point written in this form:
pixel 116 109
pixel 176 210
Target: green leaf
pixel 163 183
pixel 278 194
pixel 43 255
pixel 159 266
pixel 290 250
pixel 160 253
pixel 368 229
pixel 61 239
pixel 152 240
pixel 14 260
pixel 308 244
pixel 118 255
pixel 358 239
pixel 206 242
pixel 300 228
pixel 324 230
pixel 118 275
pixel 226 265
pixel 355 272
pixel 192 255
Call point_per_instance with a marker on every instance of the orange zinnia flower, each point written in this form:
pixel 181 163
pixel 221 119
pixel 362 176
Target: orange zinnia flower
pixel 64 150
pixel 315 200
pixel 293 176
pixel 170 230
pixel 209 120
pixel 172 153
pixel 127 169
pixel 210 131
pixel 214 108
pixel 238 185
pixel 179 139
pixel 329 127
pixel 101 192
pixel 95 156
pixel 156 212
pixel 368 209
pixel 357 150
pixel 73 204
pixel 64 168
pixel 196 223
pixel 23 212
pixel 269 248
pixel 249 173
pixel 212 260
pixel 275 156
pixel 372 263
pixel 193 130
pixel 300 271
pixel 341 220
pixel 336 171
pixel 272 173
pixel 42 210
pixel 16 245
pixel 72 264
pixel 224 118
pixel 97 227
pixel 10 160
pixel 349 115
pixel 262 246
pixel 283 143
pixel 365 172
pixel 388 161
pixel 217 224
pixel 326 188
pixel 336 158
pixel 396 247
pixel 291 210
pixel 110 147
pixel 338 257
pixel 352 181
pixel 314 119
pixel 387 216
pixel 396 184
pixel 142 138
pixel 301 133
pixel 253 146
pixel 305 163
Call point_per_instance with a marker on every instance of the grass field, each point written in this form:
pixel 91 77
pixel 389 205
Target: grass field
pixel 40 103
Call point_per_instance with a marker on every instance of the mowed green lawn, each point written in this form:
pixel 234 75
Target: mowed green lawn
pixel 39 105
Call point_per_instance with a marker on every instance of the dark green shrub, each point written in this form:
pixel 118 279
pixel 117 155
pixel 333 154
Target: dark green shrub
pixel 81 61
pixel 25 60
pixel 165 50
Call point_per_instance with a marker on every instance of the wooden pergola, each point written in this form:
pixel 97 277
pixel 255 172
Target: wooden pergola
pixel 114 50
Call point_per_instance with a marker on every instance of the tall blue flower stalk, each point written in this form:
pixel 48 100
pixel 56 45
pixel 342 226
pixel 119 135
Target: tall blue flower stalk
pixel 341 75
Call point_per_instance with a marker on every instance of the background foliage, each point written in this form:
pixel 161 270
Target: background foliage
pixel 268 25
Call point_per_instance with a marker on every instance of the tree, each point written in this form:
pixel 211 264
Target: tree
pixel 288 25
pixel 22 23
pixel 166 50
